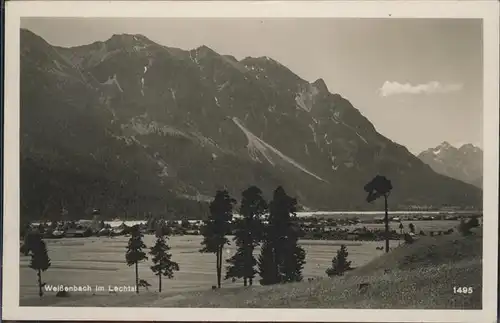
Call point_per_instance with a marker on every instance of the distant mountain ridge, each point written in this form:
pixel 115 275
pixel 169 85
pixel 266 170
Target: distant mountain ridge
pixel 130 127
pixel 464 163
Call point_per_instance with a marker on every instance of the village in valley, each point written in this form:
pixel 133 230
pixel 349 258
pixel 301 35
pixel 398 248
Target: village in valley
pixel 314 225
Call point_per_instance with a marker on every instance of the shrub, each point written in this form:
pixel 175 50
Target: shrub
pixel 465 227
pixel 408 238
pixel 340 264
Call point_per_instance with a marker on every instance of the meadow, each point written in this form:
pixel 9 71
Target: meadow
pixel 101 261
pixel 426 226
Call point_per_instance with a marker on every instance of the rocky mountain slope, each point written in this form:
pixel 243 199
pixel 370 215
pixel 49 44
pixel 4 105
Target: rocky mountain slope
pixel 464 163
pixel 130 126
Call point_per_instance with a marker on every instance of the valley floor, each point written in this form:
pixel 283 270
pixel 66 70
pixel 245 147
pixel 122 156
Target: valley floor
pixel 419 276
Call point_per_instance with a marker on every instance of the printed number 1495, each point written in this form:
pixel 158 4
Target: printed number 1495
pixel 462 290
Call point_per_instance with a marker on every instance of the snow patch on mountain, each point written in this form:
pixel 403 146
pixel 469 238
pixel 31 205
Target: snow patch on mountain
pixel 305 97
pixel 222 86
pixel 160 162
pixel 173 94
pixel 146 67
pixel 164 168
pixel 113 80
pixel 256 145
pixel 205 141
pixel 332 158
pixel 128 140
pixel 56 63
pixel 145 128
pixel 313 133
pixel 195 57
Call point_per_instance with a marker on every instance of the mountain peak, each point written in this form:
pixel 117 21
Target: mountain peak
pixel 321 85
pixel 464 164
pixel 469 145
pixel 204 49
pixel 445 144
pixel 261 60
pixel 470 148
pixel 127 39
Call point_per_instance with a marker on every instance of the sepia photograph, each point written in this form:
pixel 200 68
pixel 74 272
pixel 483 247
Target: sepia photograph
pixel 251 161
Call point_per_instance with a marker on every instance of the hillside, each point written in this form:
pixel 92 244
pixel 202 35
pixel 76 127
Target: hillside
pixel 132 127
pixel 422 276
pixel 464 163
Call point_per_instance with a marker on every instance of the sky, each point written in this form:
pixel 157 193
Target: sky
pixel 419 81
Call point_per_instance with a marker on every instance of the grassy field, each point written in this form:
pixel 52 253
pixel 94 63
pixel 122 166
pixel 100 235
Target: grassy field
pixel 101 261
pixel 425 226
pixel 417 276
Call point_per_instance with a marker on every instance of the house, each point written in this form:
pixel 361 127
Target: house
pixel 78 233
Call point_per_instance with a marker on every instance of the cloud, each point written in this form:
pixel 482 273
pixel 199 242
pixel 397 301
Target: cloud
pixel 394 88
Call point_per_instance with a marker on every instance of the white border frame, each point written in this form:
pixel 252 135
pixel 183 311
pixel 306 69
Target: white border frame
pixel 486 10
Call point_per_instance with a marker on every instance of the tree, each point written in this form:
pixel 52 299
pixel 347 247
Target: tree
pixel 267 267
pixel 134 252
pixel 294 261
pixel 163 265
pixel 248 234
pixel 287 258
pixel 377 187
pixel 340 264
pixel 401 228
pixel 216 227
pixel 40 260
pixel 53 225
pixel 150 223
pixel 473 222
pixel 185 224
pixel 24 228
pixel 408 238
pixel 465 226
pixel 412 227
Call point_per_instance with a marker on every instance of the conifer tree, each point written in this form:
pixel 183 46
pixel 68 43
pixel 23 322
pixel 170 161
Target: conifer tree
pixel 134 253
pixel 163 264
pixel 282 236
pixel 40 260
pixel 248 234
pixel 267 267
pixel 380 186
pixel 294 258
pixel 340 264
pixel 216 227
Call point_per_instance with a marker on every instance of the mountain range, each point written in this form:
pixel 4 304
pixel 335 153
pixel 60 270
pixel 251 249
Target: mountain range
pixel 130 127
pixel 464 163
